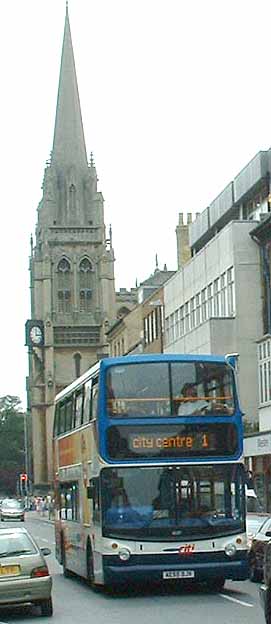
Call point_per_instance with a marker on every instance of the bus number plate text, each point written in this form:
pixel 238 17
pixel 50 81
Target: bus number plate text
pixel 173 574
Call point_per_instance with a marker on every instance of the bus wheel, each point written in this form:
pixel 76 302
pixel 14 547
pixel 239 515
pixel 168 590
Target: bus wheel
pixel 66 572
pixel 90 567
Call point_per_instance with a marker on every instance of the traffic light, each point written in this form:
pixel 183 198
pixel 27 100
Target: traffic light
pixel 23 483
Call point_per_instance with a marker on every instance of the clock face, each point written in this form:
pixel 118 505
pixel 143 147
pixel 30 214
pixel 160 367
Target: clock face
pixel 36 334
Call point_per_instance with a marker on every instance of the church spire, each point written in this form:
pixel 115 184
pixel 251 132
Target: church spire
pixel 69 143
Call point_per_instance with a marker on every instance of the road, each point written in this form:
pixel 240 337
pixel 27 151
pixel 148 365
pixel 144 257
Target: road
pixel 75 603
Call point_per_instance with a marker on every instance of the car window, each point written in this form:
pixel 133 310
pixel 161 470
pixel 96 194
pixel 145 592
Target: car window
pixel 13 542
pixel 12 503
pixel 266 526
pixel 255 523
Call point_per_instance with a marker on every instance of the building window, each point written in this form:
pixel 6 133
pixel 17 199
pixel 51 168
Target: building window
pixel 155 323
pixel 146 333
pixel 264 372
pixel 204 305
pixel 171 328
pixel 192 313
pixel 210 300
pixel 182 320
pixel 72 200
pixel 230 292
pixel 167 330
pixel 64 286
pixel 186 317
pixel 85 285
pixel 177 323
pixel 216 297
pixel 77 364
pixel 198 309
pixel 223 293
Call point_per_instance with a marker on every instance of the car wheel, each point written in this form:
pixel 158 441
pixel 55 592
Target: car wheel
pixel 46 607
pixel 254 574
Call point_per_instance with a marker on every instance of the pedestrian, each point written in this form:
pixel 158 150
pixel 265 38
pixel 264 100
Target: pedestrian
pixel 43 506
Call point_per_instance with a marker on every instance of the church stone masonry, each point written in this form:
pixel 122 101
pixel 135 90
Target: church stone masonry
pixel 71 268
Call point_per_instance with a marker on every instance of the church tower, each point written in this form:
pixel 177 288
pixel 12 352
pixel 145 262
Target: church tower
pixel 71 269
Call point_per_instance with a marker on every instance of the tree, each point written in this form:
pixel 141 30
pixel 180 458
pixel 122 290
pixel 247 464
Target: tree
pixel 11 443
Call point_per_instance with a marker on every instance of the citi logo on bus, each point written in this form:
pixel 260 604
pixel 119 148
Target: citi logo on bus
pixel 187 549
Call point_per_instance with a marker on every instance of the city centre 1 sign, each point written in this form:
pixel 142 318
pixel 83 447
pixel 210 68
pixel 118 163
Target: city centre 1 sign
pixel 185 440
pixel 156 441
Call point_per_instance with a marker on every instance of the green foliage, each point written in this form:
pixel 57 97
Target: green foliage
pixel 11 443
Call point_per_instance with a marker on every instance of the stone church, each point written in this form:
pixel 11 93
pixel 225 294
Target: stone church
pixel 71 269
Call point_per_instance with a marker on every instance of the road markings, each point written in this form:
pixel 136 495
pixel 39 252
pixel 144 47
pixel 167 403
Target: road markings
pixel 241 602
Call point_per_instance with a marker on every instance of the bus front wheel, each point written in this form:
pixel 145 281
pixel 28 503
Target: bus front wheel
pixel 90 568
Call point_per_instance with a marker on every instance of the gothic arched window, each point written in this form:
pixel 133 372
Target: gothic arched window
pixel 85 285
pixel 77 364
pixel 64 286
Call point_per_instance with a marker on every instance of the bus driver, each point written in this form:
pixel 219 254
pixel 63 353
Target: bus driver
pixel 191 403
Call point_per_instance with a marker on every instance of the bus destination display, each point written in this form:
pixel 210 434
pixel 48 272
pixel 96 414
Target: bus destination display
pixel 153 441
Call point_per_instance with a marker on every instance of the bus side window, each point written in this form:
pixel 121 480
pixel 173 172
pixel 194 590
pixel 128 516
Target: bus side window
pixel 56 420
pixel 78 409
pixel 69 412
pixel 87 402
pixel 94 398
pixel 61 419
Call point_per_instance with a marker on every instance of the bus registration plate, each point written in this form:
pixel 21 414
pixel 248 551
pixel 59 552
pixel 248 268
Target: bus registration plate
pixel 173 574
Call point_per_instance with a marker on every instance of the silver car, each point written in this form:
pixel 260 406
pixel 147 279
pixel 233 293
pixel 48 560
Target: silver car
pixel 12 509
pixel 24 575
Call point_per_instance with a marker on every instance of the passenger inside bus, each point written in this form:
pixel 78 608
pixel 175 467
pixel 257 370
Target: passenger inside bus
pixel 190 403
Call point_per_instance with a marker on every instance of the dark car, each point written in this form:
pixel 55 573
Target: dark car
pixel 257 549
pixel 24 575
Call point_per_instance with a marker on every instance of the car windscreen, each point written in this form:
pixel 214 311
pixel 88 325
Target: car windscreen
pixel 15 543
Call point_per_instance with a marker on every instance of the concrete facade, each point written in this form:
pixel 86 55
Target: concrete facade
pixel 225 271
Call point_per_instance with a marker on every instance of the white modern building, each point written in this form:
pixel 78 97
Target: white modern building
pixel 213 305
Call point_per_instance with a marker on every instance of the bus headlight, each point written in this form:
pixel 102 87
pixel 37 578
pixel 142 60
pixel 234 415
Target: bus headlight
pixel 230 550
pixel 124 554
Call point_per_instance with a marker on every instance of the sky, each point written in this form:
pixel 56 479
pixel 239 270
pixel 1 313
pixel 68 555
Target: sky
pixel 175 102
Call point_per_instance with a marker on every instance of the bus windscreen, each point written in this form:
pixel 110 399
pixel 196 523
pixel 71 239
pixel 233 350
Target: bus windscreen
pixel 162 389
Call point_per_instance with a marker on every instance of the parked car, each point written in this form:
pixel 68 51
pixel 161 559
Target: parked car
pixel 254 522
pixel 24 575
pixel 12 509
pixel 257 550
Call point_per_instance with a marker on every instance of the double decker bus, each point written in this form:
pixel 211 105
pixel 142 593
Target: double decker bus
pixel 149 478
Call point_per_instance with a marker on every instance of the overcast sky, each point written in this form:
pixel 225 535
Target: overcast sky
pixel 175 100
